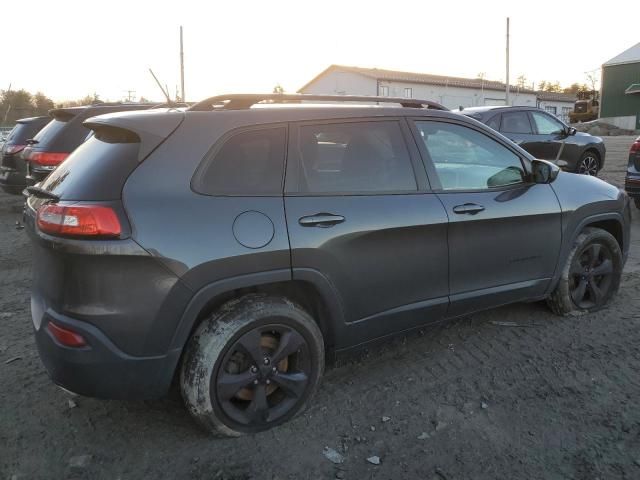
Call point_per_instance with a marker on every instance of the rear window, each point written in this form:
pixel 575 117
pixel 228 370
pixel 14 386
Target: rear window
pixel 48 133
pixel 248 163
pixel 23 132
pixel 98 168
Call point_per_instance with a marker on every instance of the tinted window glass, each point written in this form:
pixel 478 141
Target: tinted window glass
pixel 494 122
pixel 25 131
pixel 515 122
pixel 249 163
pixel 546 125
pixel 354 157
pixel 466 159
pixel 97 169
pixel 51 130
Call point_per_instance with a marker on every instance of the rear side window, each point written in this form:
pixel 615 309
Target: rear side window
pixel 516 122
pixel 248 163
pixel 354 157
pixel 97 169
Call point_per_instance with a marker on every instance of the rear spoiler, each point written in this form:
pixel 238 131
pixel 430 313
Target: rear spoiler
pixel 151 126
pixel 64 114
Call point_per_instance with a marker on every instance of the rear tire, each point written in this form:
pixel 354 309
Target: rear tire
pixel 254 364
pixel 590 276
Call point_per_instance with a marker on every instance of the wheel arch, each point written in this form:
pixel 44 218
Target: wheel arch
pixel 612 223
pixel 312 292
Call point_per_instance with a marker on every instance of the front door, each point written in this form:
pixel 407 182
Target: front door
pixel 359 213
pixel 550 133
pixel 504 231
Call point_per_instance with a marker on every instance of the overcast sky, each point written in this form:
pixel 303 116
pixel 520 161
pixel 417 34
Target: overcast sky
pixel 68 49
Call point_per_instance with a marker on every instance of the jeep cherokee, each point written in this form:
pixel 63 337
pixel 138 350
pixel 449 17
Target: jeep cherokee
pixel 235 244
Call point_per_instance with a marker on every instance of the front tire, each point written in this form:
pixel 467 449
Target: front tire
pixel 254 364
pixel 591 274
pixel 589 164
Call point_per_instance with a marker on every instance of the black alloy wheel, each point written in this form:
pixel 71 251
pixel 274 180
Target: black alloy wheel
pixel 591 276
pixel 263 375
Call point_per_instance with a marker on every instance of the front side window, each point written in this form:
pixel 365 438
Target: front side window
pixel 354 157
pixel 546 125
pixel 465 159
pixel 515 122
pixel 248 163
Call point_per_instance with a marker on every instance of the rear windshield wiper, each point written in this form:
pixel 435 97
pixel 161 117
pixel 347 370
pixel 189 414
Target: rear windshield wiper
pixel 42 193
pixel 31 141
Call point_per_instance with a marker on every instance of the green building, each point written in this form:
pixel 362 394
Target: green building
pixel 620 94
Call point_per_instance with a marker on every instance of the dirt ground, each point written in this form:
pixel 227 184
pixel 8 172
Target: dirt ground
pixel 550 398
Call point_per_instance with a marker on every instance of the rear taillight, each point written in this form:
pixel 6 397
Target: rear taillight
pixel 78 221
pixel 47 159
pixel 66 337
pixel 635 148
pixel 13 149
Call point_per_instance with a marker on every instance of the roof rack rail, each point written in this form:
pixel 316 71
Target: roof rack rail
pixel 243 101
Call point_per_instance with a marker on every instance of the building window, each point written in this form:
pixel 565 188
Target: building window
pixel 550 109
pixel 408 93
pixel 384 91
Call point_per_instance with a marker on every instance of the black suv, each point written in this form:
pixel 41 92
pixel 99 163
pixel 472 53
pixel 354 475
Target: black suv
pixel 12 167
pixel 545 137
pixel 63 134
pixel 235 244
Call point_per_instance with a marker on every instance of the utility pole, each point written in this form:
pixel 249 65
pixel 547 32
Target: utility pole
pixel 507 90
pixel 183 98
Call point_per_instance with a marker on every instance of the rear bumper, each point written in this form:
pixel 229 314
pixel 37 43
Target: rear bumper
pixel 11 180
pixel 100 369
pixel 632 185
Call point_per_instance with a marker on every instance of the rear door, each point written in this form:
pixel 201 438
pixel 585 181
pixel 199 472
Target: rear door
pixel 504 231
pixel 360 214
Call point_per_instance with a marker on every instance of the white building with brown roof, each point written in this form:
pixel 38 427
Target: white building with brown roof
pixel 452 92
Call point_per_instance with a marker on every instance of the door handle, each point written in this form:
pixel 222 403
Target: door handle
pixel 470 208
pixel 322 220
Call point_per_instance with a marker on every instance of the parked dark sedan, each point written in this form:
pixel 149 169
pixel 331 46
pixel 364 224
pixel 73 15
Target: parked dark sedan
pixel 632 180
pixel 545 137
pixel 64 134
pixel 12 167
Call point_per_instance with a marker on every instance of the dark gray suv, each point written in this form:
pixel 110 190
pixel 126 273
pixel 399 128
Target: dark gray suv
pixel 234 245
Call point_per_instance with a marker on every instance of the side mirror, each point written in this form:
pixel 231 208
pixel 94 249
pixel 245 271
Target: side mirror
pixel 571 131
pixel 543 171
